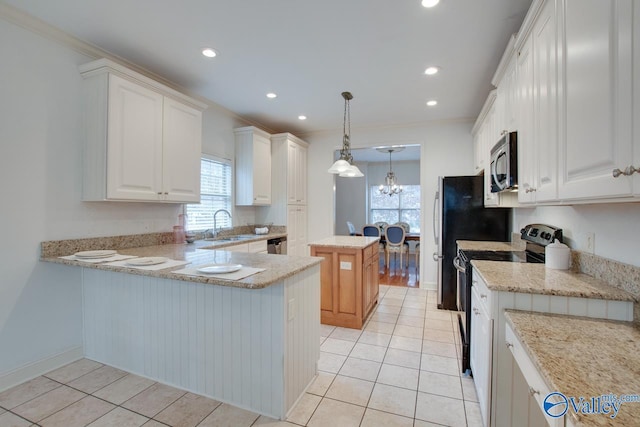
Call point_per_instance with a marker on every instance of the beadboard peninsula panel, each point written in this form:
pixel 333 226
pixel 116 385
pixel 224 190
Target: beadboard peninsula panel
pixel 232 344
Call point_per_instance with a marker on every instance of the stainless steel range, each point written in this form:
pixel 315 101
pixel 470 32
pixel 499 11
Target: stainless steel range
pixel 536 237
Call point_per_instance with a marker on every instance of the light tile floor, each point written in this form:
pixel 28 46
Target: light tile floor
pixel 400 370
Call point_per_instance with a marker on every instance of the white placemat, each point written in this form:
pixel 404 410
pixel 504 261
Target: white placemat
pixel 167 264
pixel 116 257
pixel 236 275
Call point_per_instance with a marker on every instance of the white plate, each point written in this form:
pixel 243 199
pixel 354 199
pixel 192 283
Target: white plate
pixel 95 254
pixel 152 260
pixel 220 268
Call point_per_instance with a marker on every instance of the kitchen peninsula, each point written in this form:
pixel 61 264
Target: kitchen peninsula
pixel 349 277
pixel 252 342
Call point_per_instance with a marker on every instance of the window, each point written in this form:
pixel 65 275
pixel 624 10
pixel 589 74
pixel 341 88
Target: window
pixel 403 207
pixel 215 193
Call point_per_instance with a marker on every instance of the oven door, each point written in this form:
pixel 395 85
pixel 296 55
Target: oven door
pixel 461 284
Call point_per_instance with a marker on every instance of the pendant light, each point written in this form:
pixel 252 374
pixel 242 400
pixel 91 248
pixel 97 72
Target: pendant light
pixel 344 166
pixel 390 185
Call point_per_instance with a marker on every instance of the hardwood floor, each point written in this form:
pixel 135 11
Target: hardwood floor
pixel 396 276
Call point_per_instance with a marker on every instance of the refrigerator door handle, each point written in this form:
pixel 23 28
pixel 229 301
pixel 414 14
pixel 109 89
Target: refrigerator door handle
pixel 435 216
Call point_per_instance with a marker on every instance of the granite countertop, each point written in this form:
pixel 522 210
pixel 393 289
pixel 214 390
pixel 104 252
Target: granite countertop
pixel 473 245
pixel 354 242
pixel 277 267
pixel 533 278
pixel 582 357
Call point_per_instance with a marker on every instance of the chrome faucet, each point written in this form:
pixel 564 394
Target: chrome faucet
pixel 215 214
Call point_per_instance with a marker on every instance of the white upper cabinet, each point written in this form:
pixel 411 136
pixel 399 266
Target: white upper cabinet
pixel 636 102
pixel 253 167
pixel 143 139
pixel 537 98
pixel 182 147
pixel 597 110
pixel 296 173
pixel 484 137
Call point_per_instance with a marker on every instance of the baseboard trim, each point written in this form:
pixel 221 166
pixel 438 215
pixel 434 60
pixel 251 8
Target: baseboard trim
pixel 35 369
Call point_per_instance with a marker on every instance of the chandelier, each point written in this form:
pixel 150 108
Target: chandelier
pixel 344 166
pixel 390 185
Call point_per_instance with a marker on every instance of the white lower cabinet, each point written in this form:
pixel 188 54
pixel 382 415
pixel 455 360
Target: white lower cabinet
pixel 297 230
pixel 481 351
pixel 529 389
pixel 507 398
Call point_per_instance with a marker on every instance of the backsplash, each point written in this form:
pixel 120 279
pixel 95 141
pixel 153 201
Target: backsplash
pixel 620 275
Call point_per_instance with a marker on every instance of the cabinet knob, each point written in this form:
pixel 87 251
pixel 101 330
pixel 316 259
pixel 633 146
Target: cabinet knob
pixel 159 193
pixel 508 344
pixel 474 282
pixel 483 296
pixel 476 311
pixel 533 391
pixel 166 193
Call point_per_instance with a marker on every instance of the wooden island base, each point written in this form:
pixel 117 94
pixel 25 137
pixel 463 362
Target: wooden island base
pixel 349 279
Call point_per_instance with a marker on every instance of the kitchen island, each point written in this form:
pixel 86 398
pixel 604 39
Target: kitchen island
pixel 349 279
pixel 252 342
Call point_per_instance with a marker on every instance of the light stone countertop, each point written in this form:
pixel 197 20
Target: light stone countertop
pixel 473 245
pixel 530 278
pixel 352 242
pixel 277 267
pixel 585 357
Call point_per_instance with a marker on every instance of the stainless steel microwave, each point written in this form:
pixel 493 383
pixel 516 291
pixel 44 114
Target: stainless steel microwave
pixel 504 163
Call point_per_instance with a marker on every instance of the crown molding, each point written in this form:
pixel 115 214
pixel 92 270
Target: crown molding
pixel 50 32
pixel 485 110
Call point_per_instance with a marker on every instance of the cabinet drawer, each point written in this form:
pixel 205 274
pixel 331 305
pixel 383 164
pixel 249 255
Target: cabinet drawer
pixel 483 291
pixel 538 389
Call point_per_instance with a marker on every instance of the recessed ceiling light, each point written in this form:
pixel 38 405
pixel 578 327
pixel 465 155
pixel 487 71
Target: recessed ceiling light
pixel 432 103
pixel 271 95
pixel 209 53
pixel 302 117
pixel 430 3
pixel 430 71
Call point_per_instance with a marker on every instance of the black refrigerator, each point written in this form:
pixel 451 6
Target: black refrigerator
pixel 459 214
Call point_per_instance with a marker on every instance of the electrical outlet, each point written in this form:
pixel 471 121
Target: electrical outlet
pixel 590 242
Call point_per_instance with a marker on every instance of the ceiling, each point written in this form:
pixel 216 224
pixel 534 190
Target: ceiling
pixel 410 152
pixel 307 52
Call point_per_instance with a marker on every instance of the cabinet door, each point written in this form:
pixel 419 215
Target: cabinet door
pixel 292 172
pixel 182 147
pixel 545 84
pixel 636 101
pixel 296 174
pixel 526 148
pixel 297 230
pixel 301 172
pixel 491 136
pixel 481 353
pixel 134 148
pixel 261 170
pixel 597 85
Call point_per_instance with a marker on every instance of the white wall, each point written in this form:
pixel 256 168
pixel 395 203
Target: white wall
pixel 40 183
pixel 616 227
pixel 446 150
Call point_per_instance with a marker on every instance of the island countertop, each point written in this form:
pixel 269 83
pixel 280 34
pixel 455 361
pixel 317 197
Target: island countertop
pixel 584 357
pixel 353 242
pixel 531 278
pixel 277 267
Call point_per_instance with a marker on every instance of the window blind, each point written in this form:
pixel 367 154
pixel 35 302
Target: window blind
pixel 215 193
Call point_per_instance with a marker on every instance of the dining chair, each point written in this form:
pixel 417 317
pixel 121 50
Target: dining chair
pixel 394 237
pixel 417 254
pixel 352 228
pixel 374 231
pixel 404 225
pixel 382 225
